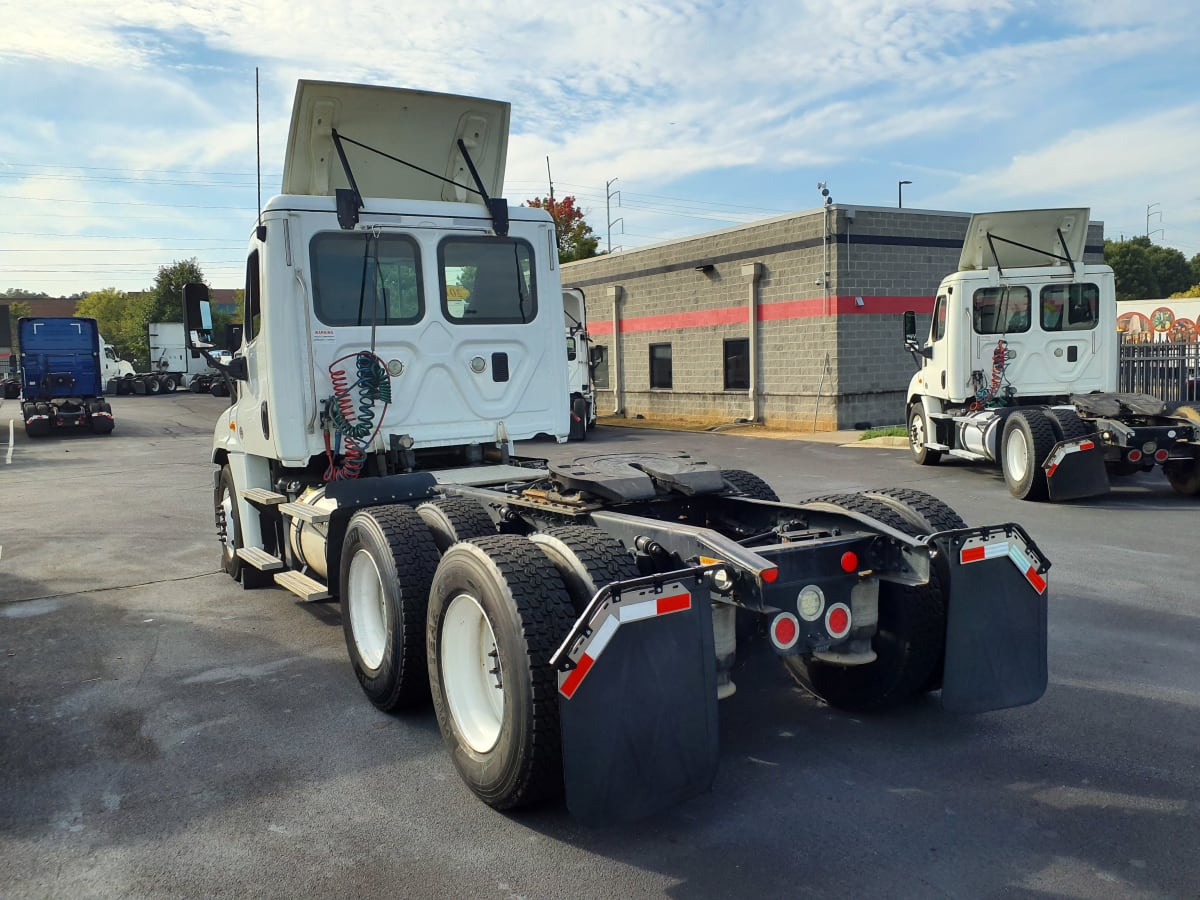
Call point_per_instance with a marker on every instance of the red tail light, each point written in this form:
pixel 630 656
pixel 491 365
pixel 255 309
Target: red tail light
pixel 1134 455
pixel 1161 456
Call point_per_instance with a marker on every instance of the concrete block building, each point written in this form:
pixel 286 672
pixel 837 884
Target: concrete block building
pixel 794 321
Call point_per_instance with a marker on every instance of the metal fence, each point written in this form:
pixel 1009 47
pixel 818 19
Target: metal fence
pixel 1165 369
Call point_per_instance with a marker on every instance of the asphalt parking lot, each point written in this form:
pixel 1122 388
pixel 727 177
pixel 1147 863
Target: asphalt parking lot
pixel 164 733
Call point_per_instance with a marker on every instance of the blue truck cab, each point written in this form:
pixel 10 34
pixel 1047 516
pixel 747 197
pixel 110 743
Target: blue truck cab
pixel 61 377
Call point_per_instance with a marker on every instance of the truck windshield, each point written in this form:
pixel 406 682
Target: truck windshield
pixel 361 278
pixel 1001 310
pixel 1070 307
pixel 487 281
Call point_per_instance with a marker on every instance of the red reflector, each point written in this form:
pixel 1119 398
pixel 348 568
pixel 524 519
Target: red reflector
pixel 1161 455
pixel 577 674
pixel 1036 580
pixel 972 554
pixel 849 561
pixel 1087 445
pixel 1050 471
pixel 1134 455
pixel 769 575
pixel 673 604
pixel 838 620
pixel 785 631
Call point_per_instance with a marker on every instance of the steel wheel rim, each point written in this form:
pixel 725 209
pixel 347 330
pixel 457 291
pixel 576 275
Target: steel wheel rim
pixel 1016 455
pixel 473 692
pixel 368 609
pixel 231 535
pixel 916 432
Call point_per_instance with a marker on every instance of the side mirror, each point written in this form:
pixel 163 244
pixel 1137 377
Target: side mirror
pixel 596 356
pixel 571 351
pixel 197 317
pixel 910 326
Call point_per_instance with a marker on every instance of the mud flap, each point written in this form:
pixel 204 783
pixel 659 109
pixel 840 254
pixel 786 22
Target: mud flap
pixel 996 619
pixel 1076 469
pixel 638 704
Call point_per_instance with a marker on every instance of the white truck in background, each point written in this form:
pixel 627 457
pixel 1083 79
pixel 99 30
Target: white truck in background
pixel 1020 368
pixel 172 366
pixel 582 394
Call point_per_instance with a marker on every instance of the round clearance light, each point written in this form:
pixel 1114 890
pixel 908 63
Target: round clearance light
pixel 1149 447
pixel 395 367
pixel 811 603
pixel 722 580
pixel 849 561
pixel 785 631
pixel 477 364
pixel 837 620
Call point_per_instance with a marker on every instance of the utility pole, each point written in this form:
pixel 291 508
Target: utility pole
pixel 551 180
pixel 609 193
pixel 1158 213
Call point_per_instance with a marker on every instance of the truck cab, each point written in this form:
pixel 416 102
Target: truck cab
pixel 1025 322
pixel 362 254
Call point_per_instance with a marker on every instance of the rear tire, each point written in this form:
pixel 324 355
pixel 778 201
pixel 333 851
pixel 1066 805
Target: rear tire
pixel 388 561
pixel 918 436
pixel 587 559
pixel 497 612
pixel 1184 475
pixel 1067 425
pixel 749 485
pixel 911 637
pixel 578 423
pixel 1028 440
pixel 454 519
pixel 153 385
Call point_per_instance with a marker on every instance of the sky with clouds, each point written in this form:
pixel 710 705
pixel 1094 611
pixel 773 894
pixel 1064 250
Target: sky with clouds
pixel 128 137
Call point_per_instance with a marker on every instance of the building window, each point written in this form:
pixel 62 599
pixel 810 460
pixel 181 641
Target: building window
pixel 660 366
pixel 600 367
pixel 737 364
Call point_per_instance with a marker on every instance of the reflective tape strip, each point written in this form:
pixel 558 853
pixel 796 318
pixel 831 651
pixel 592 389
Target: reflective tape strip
pixel 984 551
pixel 1062 454
pixel 573 680
pixel 620 615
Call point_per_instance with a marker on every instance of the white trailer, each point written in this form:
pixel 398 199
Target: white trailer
pixel 1020 368
pixel 404 327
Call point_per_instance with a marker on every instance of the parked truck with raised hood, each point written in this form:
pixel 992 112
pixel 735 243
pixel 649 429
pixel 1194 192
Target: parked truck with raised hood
pixel 1020 368
pixel 572 623
pixel 61 375
pixel 582 396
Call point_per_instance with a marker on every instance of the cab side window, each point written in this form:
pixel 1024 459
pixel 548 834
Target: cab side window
pixel 1070 307
pixel 937 328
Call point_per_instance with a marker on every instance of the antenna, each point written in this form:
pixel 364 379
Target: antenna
pixel 258 144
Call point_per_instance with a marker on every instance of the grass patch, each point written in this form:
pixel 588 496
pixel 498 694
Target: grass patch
pixel 886 431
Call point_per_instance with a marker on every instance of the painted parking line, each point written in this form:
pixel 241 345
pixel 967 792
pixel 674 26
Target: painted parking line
pixel 8 458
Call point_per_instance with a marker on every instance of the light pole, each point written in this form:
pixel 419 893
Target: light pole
pixel 900 193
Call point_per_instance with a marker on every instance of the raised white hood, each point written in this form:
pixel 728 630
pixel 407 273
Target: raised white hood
pixel 419 127
pixel 1037 228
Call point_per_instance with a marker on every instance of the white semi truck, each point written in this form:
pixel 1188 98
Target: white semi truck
pixel 572 623
pixel 1020 368
pixel 582 394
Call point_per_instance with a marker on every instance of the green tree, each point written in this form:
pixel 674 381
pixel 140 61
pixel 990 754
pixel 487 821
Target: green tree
pixel 575 237
pixel 167 292
pixel 15 312
pixel 1146 271
pixel 20 294
pixel 121 318
pixel 1193 291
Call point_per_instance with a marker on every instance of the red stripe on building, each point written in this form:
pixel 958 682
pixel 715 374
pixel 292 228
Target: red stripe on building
pixel 572 682
pixel 767 312
pixel 673 604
